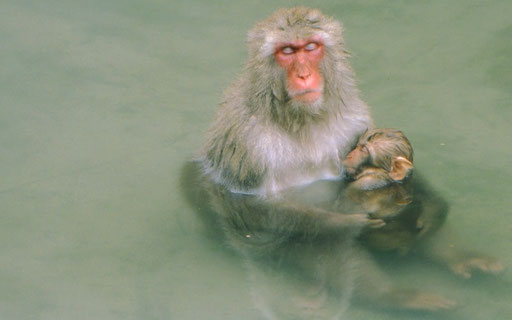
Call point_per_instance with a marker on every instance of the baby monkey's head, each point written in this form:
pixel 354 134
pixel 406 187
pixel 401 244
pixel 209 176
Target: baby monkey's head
pixel 382 156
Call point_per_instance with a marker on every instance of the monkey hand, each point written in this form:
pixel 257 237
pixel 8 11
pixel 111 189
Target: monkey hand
pixel 465 266
pixel 375 223
pixel 363 220
pixel 422 225
pixel 427 302
pixel 425 223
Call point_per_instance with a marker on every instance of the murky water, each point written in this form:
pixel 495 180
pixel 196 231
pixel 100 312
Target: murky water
pixel 101 103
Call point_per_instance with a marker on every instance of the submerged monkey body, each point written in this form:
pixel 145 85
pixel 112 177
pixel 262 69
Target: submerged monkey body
pixel 264 140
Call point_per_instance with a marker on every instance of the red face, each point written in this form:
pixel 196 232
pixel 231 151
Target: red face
pixel 300 59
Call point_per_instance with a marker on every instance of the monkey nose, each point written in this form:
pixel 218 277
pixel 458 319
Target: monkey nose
pixel 304 80
pixel 304 74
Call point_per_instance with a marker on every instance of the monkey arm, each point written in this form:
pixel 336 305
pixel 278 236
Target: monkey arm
pixel 317 220
pixel 279 216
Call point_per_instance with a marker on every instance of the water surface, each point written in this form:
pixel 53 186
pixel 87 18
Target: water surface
pixel 102 103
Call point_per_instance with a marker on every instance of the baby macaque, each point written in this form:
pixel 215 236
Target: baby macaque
pixel 382 156
pixel 380 169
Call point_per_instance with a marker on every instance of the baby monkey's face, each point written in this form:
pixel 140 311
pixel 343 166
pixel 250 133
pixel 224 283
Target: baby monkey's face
pixel 356 161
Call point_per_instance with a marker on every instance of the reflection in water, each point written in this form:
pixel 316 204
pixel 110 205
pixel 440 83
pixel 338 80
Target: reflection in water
pixel 296 266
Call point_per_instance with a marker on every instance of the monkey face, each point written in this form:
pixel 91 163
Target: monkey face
pixel 300 59
pixel 356 161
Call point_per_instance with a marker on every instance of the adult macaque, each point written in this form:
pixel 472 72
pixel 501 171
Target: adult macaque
pixel 291 117
pixel 288 122
pixel 380 168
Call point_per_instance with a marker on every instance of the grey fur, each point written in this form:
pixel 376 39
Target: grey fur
pixel 261 141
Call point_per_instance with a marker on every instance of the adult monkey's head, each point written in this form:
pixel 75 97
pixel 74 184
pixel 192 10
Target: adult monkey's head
pixel 297 54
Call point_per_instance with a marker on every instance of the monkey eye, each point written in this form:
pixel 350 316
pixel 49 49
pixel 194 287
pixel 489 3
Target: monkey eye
pixel 287 50
pixel 311 46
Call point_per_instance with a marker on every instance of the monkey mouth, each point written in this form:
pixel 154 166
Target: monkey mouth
pixel 307 95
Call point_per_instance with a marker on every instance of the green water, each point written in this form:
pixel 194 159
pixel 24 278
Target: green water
pixel 101 103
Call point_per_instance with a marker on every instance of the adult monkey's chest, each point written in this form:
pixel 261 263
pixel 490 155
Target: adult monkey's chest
pixel 293 162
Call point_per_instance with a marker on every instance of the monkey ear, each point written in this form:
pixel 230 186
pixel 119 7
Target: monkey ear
pixel 400 168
